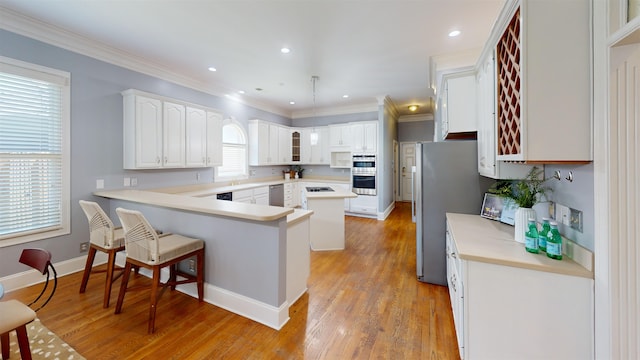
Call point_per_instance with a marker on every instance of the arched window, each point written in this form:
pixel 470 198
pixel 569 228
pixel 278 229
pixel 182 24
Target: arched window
pixel 234 152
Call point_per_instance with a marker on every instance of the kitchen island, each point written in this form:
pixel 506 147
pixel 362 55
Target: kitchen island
pixel 327 224
pixel 248 248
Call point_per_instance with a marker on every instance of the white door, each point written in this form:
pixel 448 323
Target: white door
pixel 407 160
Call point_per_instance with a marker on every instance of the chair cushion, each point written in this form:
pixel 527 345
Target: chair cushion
pixel 14 314
pixel 172 246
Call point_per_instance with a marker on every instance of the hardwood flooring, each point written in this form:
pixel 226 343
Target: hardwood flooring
pixel 363 303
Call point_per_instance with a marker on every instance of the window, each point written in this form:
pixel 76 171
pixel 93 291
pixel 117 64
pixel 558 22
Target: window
pixel 234 152
pixel 34 152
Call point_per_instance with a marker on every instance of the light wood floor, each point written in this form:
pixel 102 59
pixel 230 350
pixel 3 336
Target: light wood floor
pixel 363 303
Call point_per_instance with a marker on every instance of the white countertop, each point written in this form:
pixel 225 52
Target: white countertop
pixel 337 193
pixel 489 241
pixel 201 205
pixel 204 190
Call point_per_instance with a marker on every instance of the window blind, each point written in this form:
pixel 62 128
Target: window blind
pixel 234 152
pixel 31 152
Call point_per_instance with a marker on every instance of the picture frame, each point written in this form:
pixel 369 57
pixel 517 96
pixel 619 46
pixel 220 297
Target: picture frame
pixel 492 206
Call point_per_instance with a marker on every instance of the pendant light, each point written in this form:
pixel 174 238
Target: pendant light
pixel 314 135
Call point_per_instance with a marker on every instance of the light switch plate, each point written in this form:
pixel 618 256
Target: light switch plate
pixel 575 219
pixel 100 184
pixel 127 182
pixel 562 214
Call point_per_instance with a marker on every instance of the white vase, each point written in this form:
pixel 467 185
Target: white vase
pixel 521 222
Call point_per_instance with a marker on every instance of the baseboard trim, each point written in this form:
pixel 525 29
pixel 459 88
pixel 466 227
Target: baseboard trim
pixel 387 211
pixel 271 316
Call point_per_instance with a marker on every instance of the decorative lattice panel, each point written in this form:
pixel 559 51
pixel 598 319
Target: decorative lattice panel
pixel 508 61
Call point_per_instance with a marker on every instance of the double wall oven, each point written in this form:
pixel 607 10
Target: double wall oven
pixel 363 174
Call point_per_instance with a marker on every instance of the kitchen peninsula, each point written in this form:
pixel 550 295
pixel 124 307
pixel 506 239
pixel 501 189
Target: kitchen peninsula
pixel 246 247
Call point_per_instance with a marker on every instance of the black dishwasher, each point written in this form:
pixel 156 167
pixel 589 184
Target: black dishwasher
pixel 228 196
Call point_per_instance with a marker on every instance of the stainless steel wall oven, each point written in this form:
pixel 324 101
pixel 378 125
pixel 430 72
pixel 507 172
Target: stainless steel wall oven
pixel 363 174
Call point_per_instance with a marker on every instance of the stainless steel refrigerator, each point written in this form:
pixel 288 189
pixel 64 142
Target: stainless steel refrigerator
pixel 445 179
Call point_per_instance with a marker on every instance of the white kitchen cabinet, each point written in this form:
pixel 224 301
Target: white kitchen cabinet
pixel 291 194
pixel 544 85
pixel 296 146
pixel 340 137
pixel 264 143
pixel 458 118
pixel 259 195
pixel 196 130
pixel 214 138
pixel 364 204
pixel 488 165
pixel 504 309
pixel 315 151
pixel 364 136
pixel 142 128
pixel 160 132
pixel 173 130
pixel 284 145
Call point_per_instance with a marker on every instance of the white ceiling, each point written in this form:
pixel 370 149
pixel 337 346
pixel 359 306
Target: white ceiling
pixel 363 48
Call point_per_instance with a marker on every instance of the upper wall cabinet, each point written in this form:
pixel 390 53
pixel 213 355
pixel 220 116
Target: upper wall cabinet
pixel 315 146
pixel 364 137
pixel 269 144
pixel 157 130
pixel 458 118
pixel 340 137
pixel 543 81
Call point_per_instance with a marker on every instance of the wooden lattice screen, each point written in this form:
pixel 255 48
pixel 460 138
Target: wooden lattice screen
pixel 508 58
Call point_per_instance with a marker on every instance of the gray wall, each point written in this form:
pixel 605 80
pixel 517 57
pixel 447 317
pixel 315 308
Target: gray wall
pixel 96 134
pixel 388 133
pixel 411 131
pixel 578 195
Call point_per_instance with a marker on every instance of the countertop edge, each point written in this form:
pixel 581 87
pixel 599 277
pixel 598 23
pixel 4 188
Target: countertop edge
pixel 205 206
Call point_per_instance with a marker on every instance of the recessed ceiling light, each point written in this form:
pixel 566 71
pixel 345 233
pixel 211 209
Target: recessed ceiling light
pixel 240 91
pixel 285 50
pixel 345 96
pixel 413 108
pixel 212 69
pixel 454 33
pixel 292 102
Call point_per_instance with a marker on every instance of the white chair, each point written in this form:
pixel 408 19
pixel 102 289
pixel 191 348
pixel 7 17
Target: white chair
pixel 145 248
pixel 104 237
pixel 15 316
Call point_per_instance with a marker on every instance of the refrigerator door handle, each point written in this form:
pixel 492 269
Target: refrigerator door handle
pixel 417 176
pixel 413 193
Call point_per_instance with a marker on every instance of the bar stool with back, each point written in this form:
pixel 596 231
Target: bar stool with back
pixel 103 237
pixel 146 249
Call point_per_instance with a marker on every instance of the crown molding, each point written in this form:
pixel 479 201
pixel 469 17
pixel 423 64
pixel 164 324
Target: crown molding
pixel 21 24
pixel 339 110
pixel 414 118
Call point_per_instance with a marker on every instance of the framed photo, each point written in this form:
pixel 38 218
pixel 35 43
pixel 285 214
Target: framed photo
pixel 509 208
pixel 492 207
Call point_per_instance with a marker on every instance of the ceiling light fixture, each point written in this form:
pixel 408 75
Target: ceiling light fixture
pixel 413 108
pixel 285 50
pixel 240 91
pixel 454 33
pixel 345 96
pixel 211 68
pixel 292 102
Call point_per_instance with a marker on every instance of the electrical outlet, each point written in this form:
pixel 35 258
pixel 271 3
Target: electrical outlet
pixel 127 182
pixel 84 247
pixel 575 219
pixel 197 176
pixel 134 181
pixel 192 265
pixel 100 184
pixel 562 214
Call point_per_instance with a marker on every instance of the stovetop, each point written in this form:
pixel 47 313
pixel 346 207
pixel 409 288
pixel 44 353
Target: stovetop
pixel 318 188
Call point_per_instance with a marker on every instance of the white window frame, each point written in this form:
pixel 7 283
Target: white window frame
pixel 245 175
pixel 62 78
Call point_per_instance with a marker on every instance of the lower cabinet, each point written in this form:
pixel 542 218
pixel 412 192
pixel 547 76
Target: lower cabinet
pixel 364 204
pixel 507 312
pixel 291 194
pixel 259 195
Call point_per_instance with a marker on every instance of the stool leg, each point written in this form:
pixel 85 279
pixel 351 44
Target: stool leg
pixel 4 341
pixel 111 264
pixel 23 342
pixel 87 268
pixel 123 286
pixel 154 299
pixel 200 275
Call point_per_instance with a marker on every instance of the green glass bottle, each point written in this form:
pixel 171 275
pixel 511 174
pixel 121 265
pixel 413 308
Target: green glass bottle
pixel 542 234
pixel 554 242
pixel 531 237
